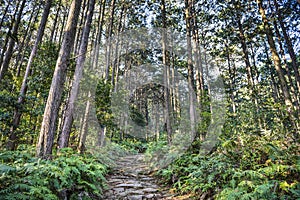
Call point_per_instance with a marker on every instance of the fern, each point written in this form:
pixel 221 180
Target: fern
pixel 25 177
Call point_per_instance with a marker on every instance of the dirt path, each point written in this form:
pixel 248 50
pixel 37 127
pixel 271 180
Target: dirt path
pixel 131 180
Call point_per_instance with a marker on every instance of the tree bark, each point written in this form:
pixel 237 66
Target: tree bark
pixel 99 34
pixel 47 133
pixel 26 40
pixel 190 67
pixel 109 34
pixel 83 134
pixel 166 65
pixel 55 22
pixel 275 56
pixel 11 44
pixel 17 113
pixel 4 13
pixel 65 134
pixel 289 45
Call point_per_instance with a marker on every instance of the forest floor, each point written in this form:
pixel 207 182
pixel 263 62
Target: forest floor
pixel 132 180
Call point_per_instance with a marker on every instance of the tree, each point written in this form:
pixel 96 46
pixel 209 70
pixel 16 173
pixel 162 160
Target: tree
pixel 191 81
pixel 13 39
pixel 166 65
pixel 47 133
pixel 17 114
pixel 65 134
pixel 275 57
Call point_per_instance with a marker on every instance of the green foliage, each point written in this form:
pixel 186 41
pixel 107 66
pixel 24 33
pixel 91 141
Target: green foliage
pixel 37 92
pixel 103 101
pixel 134 146
pixel 249 163
pixel 219 176
pixel 66 175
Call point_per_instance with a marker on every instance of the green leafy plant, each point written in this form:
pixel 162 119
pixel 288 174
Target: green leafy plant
pixel 67 175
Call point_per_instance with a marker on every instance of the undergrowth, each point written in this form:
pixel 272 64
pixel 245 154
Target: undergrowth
pixel 264 171
pixel 68 175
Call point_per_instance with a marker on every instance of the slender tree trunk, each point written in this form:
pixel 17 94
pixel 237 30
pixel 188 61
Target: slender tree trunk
pixel 231 79
pixel 289 45
pixel 116 57
pixel 273 81
pixel 20 49
pixel 166 65
pixel 61 32
pixel 17 113
pixel 275 56
pixel 109 34
pixel 79 32
pixel 47 133
pixel 25 43
pixel 245 54
pixel 188 16
pixel 99 34
pixel 294 90
pixel 8 31
pixel 65 134
pixel 198 58
pixel 4 13
pixel 84 131
pixel 11 43
pixel 55 22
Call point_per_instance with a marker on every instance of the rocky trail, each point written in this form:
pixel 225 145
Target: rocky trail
pixel 130 179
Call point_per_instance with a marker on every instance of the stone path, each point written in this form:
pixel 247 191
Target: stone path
pixel 131 180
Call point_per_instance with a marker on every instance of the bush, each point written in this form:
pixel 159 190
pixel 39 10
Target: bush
pixel 67 175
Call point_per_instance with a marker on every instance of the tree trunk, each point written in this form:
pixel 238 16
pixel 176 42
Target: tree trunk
pixel 99 34
pixel 4 13
pixel 109 33
pixel 289 45
pixel 166 65
pixel 25 42
pixel 47 133
pixel 79 33
pixel 65 134
pixel 17 113
pixel 245 54
pixel 11 44
pixel 188 16
pixel 117 47
pixel 8 31
pixel 52 38
pixel 84 130
pixel 275 56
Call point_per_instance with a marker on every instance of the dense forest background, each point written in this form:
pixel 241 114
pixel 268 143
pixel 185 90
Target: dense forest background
pixel 48 48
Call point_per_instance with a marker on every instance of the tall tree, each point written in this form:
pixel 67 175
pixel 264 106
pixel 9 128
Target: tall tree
pixel 289 45
pixel 17 114
pixel 47 133
pixel 12 41
pixel 275 55
pixel 166 63
pixel 65 134
pixel 109 32
pixel 191 81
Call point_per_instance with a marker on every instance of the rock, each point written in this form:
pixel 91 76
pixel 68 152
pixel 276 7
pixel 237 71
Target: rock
pixel 118 190
pixel 149 190
pixel 131 179
pixel 135 197
pixel 129 185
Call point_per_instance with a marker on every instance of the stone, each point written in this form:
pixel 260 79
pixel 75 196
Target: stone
pixel 149 190
pixel 129 185
pixel 136 197
pixel 118 190
pixel 132 179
